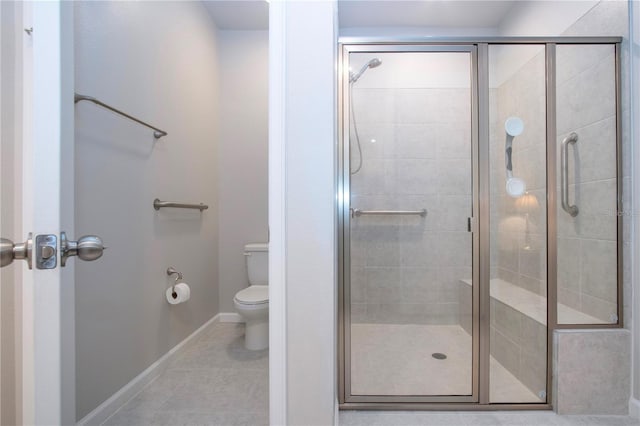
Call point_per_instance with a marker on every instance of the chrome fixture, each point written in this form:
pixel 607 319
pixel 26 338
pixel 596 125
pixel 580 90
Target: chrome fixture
pixel 157 132
pixel 564 178
pixel 157 204
pixel 358 212
pixel 373 63
pixel 513 127
pixel 10 251
pixel 89 247
pixel 172 271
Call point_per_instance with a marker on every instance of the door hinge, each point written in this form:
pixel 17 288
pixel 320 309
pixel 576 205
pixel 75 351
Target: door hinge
pixel 471 224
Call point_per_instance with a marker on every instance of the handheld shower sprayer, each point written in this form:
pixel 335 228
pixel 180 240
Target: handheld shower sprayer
pixel 375 62
pixel 353 77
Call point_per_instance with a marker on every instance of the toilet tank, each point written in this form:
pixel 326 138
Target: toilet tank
pixel 257 257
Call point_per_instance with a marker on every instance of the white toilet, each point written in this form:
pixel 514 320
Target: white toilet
pixel 253 302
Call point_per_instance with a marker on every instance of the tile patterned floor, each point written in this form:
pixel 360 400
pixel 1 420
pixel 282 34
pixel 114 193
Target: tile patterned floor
pixel 395 359
pixel 215 381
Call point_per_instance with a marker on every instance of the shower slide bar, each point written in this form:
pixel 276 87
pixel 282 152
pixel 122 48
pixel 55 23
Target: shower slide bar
pixel 564 172
pixel 157 204
pixel 358 212
pixel 157 133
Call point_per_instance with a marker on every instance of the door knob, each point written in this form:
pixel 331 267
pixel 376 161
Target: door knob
pixel 10 251
pixel 87 248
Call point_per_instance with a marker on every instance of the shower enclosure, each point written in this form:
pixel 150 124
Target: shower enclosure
pixel 479 210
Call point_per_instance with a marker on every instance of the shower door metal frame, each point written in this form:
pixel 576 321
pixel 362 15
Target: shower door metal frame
pixel 481 237
pixel 344 219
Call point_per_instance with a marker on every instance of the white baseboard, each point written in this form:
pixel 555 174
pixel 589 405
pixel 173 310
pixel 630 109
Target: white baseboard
pixel 230 317
pixel 634 408
pixel 131 389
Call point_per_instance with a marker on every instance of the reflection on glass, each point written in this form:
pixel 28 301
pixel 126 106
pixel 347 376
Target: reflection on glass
pixel 518 288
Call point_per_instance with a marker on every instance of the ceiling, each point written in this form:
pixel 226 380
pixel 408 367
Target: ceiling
pixel 239 14
pixel 254 14
pixel 429 13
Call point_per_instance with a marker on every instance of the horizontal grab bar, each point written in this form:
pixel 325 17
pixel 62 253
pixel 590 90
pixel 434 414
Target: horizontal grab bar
pixel 157 204
pixel 358 212
pixel 157 133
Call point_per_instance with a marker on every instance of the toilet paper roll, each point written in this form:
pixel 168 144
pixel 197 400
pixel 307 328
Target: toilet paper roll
pixel 178 294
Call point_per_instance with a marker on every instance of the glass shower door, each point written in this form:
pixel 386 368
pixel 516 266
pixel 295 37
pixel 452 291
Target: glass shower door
pixel 409 168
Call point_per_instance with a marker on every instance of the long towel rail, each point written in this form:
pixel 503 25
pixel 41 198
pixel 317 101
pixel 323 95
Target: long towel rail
pixel 157 204
pixel 157 133
pixel 358 212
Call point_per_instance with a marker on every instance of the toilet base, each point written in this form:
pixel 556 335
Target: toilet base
pixel 256 335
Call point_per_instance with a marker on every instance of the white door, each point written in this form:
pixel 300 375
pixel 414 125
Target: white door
pixel 37 188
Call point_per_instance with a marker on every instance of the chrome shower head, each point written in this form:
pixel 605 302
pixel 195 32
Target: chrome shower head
pixel 375 62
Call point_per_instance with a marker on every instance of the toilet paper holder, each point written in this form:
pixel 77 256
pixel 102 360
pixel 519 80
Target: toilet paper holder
pixel 172 271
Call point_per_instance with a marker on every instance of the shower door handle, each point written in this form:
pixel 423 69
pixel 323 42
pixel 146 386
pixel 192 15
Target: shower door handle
pixel 564 174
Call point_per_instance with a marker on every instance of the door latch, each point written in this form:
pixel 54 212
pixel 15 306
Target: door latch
pixel 46 251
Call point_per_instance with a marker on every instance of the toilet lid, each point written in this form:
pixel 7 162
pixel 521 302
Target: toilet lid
pixel 253 295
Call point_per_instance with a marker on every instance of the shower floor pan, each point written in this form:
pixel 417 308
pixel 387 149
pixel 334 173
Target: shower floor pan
pixel 396 360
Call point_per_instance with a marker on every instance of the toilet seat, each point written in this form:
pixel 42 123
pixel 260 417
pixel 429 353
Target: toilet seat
pixel 253 295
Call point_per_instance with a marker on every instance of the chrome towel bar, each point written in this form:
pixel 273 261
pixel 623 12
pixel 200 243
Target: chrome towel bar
pixel 157 133
pixel 564 172
pixel 358 212
pixel 157 204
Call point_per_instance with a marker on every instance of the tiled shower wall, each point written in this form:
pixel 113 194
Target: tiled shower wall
pixel 611 18
pixel 587 248
pixel 416 146
pixel 587 243
pixel 586 105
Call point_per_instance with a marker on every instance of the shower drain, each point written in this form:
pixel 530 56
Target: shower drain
pixel 438 355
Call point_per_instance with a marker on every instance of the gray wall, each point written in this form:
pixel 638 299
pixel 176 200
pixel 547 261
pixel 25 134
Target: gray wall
pixel 157 61
pixel 242 171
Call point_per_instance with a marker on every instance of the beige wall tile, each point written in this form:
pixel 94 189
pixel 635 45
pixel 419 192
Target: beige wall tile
pixel 592 371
